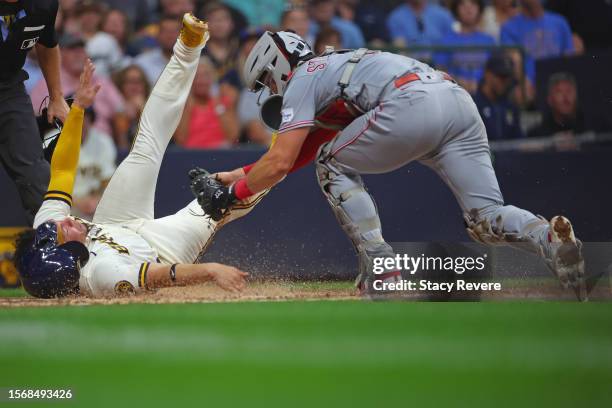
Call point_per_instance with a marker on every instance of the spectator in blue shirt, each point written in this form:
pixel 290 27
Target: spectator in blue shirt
pixel 466 67
pixel 371 19
pixel 542 34
pixel 499 114
pixel 260 12
pixel 323 14
pixel 418 23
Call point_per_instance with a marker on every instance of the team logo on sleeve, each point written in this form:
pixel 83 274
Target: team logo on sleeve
pixel 124 288
pixel 315 65
pixel 287 115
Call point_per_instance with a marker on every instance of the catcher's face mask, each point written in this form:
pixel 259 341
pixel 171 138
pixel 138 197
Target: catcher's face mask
pixel 272 59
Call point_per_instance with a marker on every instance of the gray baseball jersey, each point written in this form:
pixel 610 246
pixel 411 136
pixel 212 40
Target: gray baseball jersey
pixel 314 84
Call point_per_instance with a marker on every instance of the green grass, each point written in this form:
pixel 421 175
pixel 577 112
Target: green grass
pixel 314 354
pixel 12 293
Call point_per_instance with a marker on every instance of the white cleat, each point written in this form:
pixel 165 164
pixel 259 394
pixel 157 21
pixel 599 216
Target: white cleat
pixel 194 31
pixel 564 256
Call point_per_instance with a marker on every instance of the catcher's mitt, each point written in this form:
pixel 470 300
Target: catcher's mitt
pixel 214 198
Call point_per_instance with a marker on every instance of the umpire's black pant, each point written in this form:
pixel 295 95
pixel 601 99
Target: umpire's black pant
pixel 21 151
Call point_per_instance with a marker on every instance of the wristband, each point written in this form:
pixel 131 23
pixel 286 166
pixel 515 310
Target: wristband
pixel 241 190
pixel 248 168
pixel 173 272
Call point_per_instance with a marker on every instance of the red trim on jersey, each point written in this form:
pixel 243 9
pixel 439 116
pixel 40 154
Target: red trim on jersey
pixel 302 123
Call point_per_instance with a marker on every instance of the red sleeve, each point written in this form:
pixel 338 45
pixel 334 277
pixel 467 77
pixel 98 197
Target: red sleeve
pixel 309 149
pixel 248 168
pixel 311 146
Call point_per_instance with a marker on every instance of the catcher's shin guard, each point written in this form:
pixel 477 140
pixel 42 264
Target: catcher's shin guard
pixel 356 212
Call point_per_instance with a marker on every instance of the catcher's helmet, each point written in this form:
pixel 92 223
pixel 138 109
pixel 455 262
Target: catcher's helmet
pixel 275 54
pixel 50 132
pixel 50 270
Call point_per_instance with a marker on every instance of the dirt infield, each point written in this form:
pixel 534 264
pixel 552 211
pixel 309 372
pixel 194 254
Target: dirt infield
pixel 275 290
pixel 206 293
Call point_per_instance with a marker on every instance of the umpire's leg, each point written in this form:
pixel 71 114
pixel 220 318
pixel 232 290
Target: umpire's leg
pixel 21 151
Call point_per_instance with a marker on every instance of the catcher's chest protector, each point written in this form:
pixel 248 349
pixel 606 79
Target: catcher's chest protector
pixel 341 112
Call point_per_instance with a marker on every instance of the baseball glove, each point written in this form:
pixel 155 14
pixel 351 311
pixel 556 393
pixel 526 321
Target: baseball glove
pixel 214 198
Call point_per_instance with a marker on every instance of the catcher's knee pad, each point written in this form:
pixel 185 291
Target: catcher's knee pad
pixel 324 152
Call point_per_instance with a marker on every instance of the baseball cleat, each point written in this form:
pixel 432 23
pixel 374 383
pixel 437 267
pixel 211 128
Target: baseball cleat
pixel 366 287
pixel 194 31
pixel 563 255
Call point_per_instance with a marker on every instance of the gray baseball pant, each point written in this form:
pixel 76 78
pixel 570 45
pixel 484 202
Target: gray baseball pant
pixel 437 124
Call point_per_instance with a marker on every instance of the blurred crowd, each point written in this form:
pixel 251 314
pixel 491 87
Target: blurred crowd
pixel 131 41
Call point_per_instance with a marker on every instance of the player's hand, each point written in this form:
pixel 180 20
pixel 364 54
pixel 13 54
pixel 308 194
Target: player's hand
pixel 212 195
pixel 57 109
pixel 228 278
pixel 229 177
pixel 87 90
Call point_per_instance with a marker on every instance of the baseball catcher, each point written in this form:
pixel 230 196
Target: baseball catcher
pixel 370 112
pixel 125 249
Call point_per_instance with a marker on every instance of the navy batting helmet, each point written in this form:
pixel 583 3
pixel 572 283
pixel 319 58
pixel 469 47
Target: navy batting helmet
pixel 50 270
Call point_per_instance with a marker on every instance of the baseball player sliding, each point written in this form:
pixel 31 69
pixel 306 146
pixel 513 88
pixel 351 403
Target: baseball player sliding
pixel 125 249
pixel 373 112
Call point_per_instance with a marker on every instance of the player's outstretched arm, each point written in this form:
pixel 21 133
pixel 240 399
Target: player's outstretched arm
pixel 58 199
pixel 226 277
pixel 229 177
pixel 215 198
pixel 273 166
pixel 307 154
pixel 66 155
